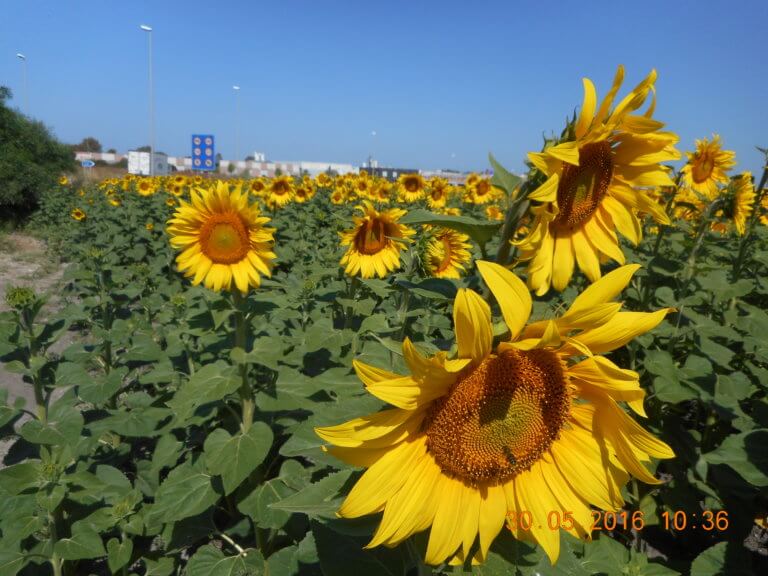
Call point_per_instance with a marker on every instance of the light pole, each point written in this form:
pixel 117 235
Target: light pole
pixel 373 150
pixel 23 59
pixel 236 88
pixel 148 30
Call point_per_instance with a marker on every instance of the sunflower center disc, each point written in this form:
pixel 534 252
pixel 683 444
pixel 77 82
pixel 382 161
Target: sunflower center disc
pixel 582 187
pixel 372 237
pixel 411 184
pixel 702 168
pixel 482 188
pixel 224 238
pixel 499 417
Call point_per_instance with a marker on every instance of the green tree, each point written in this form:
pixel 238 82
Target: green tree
pixel 31 160
pixel 89 144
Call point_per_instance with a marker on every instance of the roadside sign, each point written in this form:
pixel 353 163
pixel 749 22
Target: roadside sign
pixel 87 163
pixel 203 152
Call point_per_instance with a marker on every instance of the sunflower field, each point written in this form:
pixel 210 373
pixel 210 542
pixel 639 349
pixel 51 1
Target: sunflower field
pixel 561 374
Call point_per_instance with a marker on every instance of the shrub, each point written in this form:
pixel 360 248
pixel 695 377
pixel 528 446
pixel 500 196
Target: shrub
pixel 31 160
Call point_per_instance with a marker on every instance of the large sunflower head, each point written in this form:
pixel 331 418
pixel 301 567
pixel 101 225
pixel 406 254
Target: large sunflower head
pixel 375 242
pixel 447 253
pixel 535 424
pixel 222 238
pixel 481 191
pixel 281 190
pixel 257 186
pixel 707 167
pixel 411 187
pixel 595 184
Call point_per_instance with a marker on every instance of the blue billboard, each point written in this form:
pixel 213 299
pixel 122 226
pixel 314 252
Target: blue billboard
pixel 203 152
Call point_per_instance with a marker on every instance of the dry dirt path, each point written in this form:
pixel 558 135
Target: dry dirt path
pixel 24 261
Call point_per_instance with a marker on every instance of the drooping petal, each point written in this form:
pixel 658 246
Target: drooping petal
pixel 472 324
pixel 511 294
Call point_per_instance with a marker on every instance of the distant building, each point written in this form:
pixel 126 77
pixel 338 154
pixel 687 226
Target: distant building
pixel 387 172
pixel 138 163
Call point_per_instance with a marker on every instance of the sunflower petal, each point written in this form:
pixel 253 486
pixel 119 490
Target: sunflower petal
pixel 472 323
pixel 511 294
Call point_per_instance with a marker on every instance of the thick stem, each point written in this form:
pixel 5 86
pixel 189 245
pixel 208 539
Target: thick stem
pixel 241 338
pixel 351 293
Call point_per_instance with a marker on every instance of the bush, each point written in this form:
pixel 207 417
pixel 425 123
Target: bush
pixel 31 160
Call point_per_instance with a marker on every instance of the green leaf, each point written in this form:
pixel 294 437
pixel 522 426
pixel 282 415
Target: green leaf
pixel 187 491
pixel 209 384
pixel 235 457
pixel 478 230
pixel 722 559
pixel 746 454
pixel 19 477
pixel 11 562
pixel 266 351
pixel 502 177
pixel 63 428
pixel 102 387
pixel 210 561
pixel 118 553
pixel 83 545
pixel 257 504
pixel 320 499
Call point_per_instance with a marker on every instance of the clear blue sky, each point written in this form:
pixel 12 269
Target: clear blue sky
pixel 442 83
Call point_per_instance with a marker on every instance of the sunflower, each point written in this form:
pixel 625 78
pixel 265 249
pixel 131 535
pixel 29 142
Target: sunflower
pixel 447 253
pixel 170 202
pixel 374 242
pixel 281 190
pixel 222 238
pixel 451 211
pixel 339 195
pixel 63 181
pixel 381 192
pixel 114 201
pixel 77 214
pixel 707 167
pixel 363 185
pixel 411 187
pixel 764 209
pixel 323 180
pixel 481 191
pixel 145 187
pixel 257 186
pixel 149 226
pixel 593 186
pixel 303 193
pixel 493 212
pixel 533 425
pixel 743 202
pixel 437 196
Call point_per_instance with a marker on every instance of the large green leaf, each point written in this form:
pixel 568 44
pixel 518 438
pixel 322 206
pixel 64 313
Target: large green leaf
pixel 210 561
pixel 321 499
pixel 187 491
pixel 478 230
pixel 235 457
pixel 746 453
pixel 209 384
pixel 502 177
pixel 82 545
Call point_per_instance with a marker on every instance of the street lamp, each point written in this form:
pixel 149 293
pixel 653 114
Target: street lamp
pixel 236 88
pixel 148 30
pixel 23 59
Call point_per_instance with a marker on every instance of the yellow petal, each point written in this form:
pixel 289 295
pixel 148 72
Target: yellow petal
pixel 620 329
pixel 534 497
pixel 472 324
pixel 562 264
pixel 368 429
pixel 587 108
pixel 493 511
pixel 604 290
pixel 382 480
pixel 445 536
pixel 586 255
pixel 547 192
pixel 511 294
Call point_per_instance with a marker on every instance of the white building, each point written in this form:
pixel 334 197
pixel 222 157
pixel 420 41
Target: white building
pixel 138 163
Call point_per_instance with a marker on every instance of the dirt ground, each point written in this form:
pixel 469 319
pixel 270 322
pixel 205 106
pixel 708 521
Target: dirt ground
pixel 24 261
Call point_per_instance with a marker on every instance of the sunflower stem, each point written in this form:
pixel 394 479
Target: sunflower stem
pixel 743 245
pixel 515 212
pixel 241 338
pixel 657 246
pixel 690 267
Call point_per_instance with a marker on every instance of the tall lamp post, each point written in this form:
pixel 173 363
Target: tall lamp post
pixel 236 88
pixel 23 59
pixel 148 30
